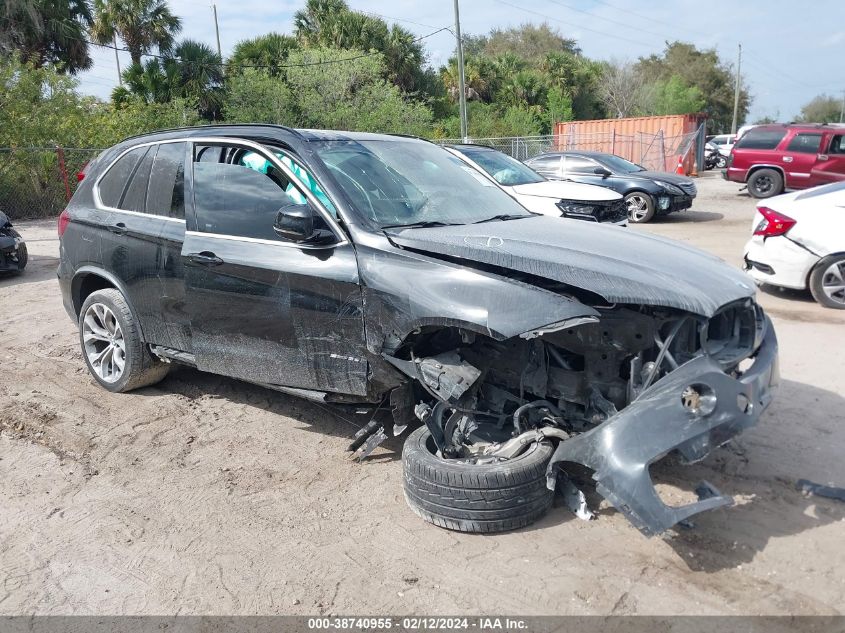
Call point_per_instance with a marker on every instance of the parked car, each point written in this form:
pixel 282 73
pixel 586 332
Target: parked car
pixel 536 193
pixel 798 242
pixel 772 158
pixel 713 158
pixel 647 193
pixel 723 143
pixel 13 253
pixel 373 270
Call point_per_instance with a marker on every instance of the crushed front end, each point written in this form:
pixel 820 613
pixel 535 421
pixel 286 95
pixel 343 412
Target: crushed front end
pixel 13 255
pixel 614 393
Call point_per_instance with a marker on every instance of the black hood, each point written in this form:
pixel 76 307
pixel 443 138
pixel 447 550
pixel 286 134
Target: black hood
pixel 617 263
pixel 665 176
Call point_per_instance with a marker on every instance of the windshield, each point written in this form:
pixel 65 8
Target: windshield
pixel 620 165
pixel 399 182
pixel 505 170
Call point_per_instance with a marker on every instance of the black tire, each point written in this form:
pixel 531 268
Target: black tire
pixel 818 277
pixel 475 497
pixel 645 204
pixel 765 183
pixel 721 162
pixel 23 253
pixel 141 369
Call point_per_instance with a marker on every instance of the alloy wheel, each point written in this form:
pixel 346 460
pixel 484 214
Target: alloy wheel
pixel 833 282
pixel 637 208
pixel 104 343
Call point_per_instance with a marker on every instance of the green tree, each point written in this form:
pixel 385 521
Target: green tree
pixel 142 25
pixel 47 32
pixel 269 51
pixel 672 96
pixel 821 109
pixel 255 96
pixel 529 41
pixel 704 70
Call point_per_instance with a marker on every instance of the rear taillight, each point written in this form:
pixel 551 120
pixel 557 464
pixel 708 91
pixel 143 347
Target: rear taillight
pixel 773 223
pixel 64 219
pixel 80 175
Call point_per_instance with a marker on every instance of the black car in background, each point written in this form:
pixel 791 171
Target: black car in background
pixel 13 254
pixel 366 269
pixel 647 193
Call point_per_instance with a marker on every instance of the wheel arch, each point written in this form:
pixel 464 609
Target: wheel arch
pixel 89 279
pixel 755 168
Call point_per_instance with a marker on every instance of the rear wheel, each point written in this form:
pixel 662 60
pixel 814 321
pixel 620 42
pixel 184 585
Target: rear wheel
pixel 475 497
pixel 112 346
pixel 721 161
pixel 765 183
pixel 640 207
pixel 827 282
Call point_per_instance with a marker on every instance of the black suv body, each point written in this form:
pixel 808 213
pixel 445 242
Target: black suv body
pixel 323 264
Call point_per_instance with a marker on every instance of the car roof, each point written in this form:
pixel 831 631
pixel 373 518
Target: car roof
pixel 460 146
pixel 798 126
pixel 263 131
pixel 591 154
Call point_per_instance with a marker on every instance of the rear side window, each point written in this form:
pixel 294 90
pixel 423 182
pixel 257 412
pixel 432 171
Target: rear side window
pixel 805 143
pixel 578 165
pixel 545 162
pixel 135 196
pixel 166 193
pixel 116 179
pixel 761 139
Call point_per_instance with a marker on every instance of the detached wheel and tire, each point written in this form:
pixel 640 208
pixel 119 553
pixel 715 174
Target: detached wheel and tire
pixel 640 207
pixel 471 497
pixel 765 183
pixel 112 346
pixel 827 282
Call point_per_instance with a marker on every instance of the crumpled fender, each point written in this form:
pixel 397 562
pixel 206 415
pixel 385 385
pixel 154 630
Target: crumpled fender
pixel 406 291
pixel 620 450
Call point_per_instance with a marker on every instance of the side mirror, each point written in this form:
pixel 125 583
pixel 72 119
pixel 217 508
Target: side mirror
pixel 299 223
pixel 601 171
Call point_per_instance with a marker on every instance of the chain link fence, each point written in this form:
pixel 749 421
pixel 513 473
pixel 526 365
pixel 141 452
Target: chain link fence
pixel 653 151
pixel 37 182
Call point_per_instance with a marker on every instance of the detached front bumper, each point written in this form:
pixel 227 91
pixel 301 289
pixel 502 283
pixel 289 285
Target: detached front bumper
pixel 620 450
pixel 10 257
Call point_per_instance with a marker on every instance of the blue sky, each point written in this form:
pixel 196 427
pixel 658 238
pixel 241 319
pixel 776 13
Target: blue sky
pixel 791 51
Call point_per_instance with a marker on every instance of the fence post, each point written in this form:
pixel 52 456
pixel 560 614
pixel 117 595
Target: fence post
pixel 60 153
pixel 662 150
pixel 613 141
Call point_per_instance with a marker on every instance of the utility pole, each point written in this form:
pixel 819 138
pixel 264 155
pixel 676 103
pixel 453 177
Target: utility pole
pixel 462 98
pixel 217 31
pixel 117 61
pixel 842 111
pixel 736 88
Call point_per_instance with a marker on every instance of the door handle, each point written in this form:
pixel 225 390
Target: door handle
pixel 823 156
pixel 119 228
pixel 205 258
pixel 787 159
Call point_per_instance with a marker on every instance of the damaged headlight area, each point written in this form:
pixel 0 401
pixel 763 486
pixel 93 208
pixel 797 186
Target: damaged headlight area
pixel 614 395
pixel 594 211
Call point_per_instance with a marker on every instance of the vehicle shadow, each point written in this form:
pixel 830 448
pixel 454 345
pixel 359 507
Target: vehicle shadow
pixel 792 294
pixel 38 268
pixel 341 421
pixel 690 216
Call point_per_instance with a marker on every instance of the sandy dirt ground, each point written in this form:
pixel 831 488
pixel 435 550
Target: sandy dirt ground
pixel 205 495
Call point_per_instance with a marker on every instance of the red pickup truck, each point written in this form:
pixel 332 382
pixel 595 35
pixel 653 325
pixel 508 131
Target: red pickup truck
pixel 771 158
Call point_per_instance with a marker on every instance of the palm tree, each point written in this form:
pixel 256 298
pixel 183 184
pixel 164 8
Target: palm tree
pixel 141 24
pixel 270 50
pixel 47 32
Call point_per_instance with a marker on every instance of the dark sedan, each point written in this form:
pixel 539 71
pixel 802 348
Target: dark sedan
pixel 647 193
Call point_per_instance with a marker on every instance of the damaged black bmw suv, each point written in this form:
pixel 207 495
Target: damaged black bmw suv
pixel 363 268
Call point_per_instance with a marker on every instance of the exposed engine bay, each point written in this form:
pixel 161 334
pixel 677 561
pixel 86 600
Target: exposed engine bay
pixel 635 372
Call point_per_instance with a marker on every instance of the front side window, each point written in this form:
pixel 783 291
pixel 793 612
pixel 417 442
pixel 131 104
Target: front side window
pixel 805 143
pixel 397 182
pixel 237 200
pixel 505 170
pixel 760 139
pixel 837 144
pixel 619 165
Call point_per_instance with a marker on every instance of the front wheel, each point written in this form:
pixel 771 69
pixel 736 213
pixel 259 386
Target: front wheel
pixel 112 346
pixel 765 183
pixel 475 497
pixel 827 282
pixel 721 162
pixel 640 207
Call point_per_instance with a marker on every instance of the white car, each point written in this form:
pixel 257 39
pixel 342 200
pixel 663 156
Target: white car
pixel 723 143
pixel 546 197
pixel 799 242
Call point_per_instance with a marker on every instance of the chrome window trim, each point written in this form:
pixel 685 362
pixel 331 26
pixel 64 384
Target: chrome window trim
pixel 98 201
pixel 257 240
pixel 339 234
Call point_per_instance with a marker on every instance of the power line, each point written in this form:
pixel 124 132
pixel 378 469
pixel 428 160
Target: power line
pixel 600 17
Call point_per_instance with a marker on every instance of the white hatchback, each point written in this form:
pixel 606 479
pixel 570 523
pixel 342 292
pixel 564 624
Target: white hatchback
pixel 798 241
pixel 559 198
